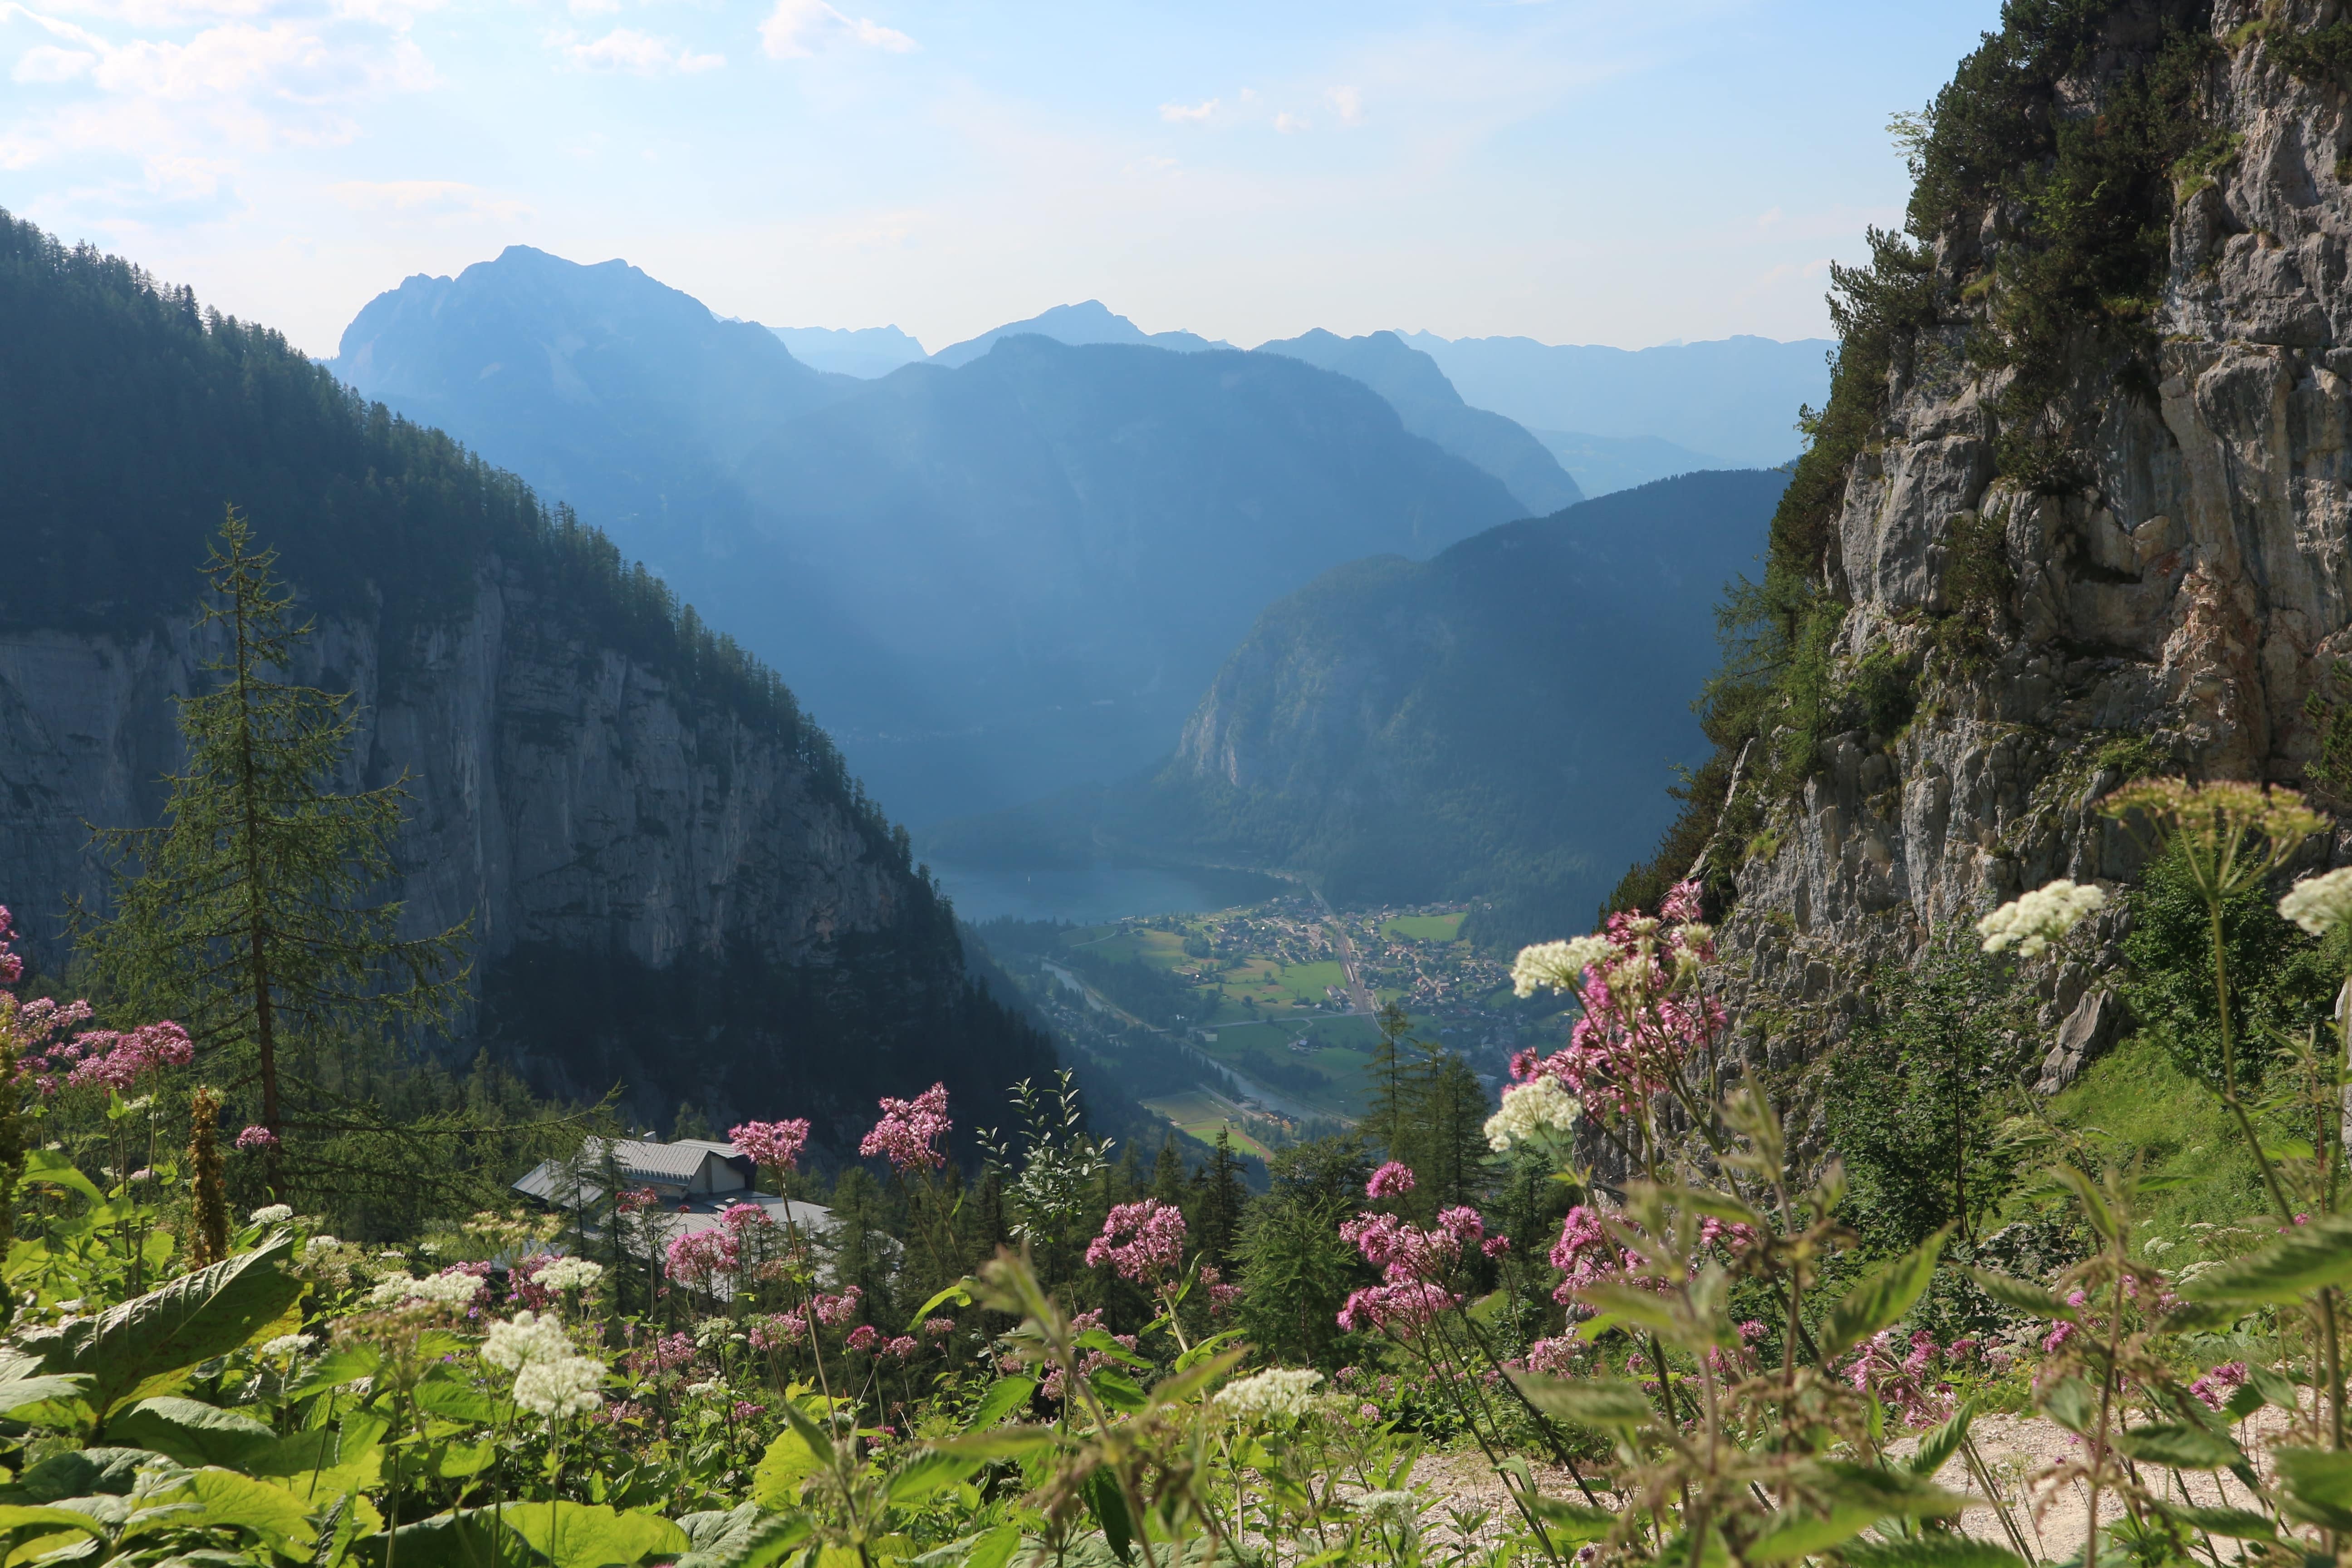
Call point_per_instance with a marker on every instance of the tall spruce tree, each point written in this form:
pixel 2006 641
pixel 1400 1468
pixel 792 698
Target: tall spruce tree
pixel 254 914
pixel 1223 1200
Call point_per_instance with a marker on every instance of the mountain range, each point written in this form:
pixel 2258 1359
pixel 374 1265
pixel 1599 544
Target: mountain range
pixel 1501 722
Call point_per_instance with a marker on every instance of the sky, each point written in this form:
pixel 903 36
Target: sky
pixel 1574 171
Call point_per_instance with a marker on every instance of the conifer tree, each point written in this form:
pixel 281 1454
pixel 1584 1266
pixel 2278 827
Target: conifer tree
pixel 1167 1174
pixel 1223 1200
pixel 254 914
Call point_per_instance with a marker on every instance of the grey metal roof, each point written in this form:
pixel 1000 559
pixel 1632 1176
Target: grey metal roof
pixel 640 1160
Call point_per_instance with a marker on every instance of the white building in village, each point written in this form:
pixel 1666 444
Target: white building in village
pixel 694 1182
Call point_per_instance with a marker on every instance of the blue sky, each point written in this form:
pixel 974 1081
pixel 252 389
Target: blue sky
pixel 1627 173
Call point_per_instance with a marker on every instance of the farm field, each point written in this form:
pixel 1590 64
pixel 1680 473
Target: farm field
pixel 1424 927
pixel 1197 1114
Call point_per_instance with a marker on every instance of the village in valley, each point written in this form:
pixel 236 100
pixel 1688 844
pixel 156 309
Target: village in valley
pixel 1260 1020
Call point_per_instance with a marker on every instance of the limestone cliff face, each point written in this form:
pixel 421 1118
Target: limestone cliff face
pixel 2177 604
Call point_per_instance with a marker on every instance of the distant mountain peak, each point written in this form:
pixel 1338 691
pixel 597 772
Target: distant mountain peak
pixel 1087 322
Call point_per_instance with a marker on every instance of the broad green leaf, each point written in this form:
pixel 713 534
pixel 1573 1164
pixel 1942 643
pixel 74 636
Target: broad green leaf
pixel 17 1518
pixel 959 1293
pixel 1117 1390
pixel 1930 1551
pixel 456 1400
pixel 590 1535
pixel 346 1363
pixel 272 1513
pixel 2274 1388
pixel 1884 1296
pixel 1937 1446
pixel 456 1461
pixel 742 1537
pixel 1204 1350
pixel 2095 1203
pixel 2182 1446
pixel 2024 1297
pixel 138 1348
pixel 776 1480
pixel 1100 1342
pixel 1647 1309
pixel 1187 1381
pixel 1004 1397
pixel 2305 1260
pixel 2073 1405
pixel 2318 1485
pixel 79 1472
pixel 194 1433
pixel 471 1538
pixel 1898 1493
pixel 50 1167
pixel 1798 1533
pixel 1587 1401
pixel 2236 1523
pixel 991 1549
pixel 1108 1505
pixel 1000 1442
pixel 22 1382
pixel 1569 1523
pixel 927 1473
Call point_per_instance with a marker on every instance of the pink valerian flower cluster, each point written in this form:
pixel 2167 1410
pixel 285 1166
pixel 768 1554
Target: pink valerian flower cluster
pixel 699 1256
pixel 1413 1262
pixel 1565 1356
pixel 1901 1374
pixel 1643 1012
pixel 1496 1245
pixel 863 1336
pixel 2061 1330
pixel 904 1136
pixel 1587 1255
pixel 255 1139
pixel 903 1348
pixel 635 1200
pixel 1089 1362
pixel 108 1060
pixel 938 1328
pixel 2215 1388
pixel 776 1331
pixel 772 1145
pixel 1143 1241
pixel 1392 1180
pixel 1222 1295
pixel 1409 1307
pixel 835 1310
pixel 741 1217
pixel 665 1352
pixel 12 968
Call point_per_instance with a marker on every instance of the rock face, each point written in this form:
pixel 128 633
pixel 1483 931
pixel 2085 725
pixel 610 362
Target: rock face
pixel 2173 608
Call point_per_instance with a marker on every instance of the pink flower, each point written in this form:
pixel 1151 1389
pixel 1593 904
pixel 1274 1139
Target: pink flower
pixel 863 1336
pixel 113 1061
pixel 1562 1357
pixel 12 968
pixel 902 1347
pixel 835 1310
pixel 2215 1386
pixel 1636 1026
pixel 254 1138
pixel 904 1134
pixel 1409 1306
pixel 774 1145
pixel 1222 1295
pixel 777 1330
pixel 1143 1241
pixel 699 1256
pixel 1392 1180
pixel 637 1200
pixel 739 1217
pixel 938 1328
pixel 1402 1252
pixel 745 1410
pixel 1496 1245
pixel 1462 1224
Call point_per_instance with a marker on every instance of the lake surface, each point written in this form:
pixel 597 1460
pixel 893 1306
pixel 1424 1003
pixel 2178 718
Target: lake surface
pixel 1101 892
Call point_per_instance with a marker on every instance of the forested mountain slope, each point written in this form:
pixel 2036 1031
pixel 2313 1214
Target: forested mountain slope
pixel 990 581
pixel 673 881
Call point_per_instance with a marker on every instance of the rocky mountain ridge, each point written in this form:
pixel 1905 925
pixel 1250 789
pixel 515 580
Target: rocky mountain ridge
pixel 2074 542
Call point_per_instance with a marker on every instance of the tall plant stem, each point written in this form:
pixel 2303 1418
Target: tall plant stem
pixel 2230 1070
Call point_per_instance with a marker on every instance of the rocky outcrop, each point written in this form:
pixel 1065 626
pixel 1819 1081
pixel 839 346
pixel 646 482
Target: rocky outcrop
pixel 2172 606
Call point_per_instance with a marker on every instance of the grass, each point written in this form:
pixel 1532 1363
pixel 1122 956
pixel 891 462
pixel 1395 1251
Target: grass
pixel 1425 928
pixel 1198 1116
pixel 2136 1099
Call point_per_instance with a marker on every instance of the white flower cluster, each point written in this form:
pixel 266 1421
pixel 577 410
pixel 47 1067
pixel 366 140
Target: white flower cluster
pixel 706 1388
pixel 564 1386
pixel 525 1338
pixel 1389 1507
pixel 438 1289
pixel 1278 1393
pixel 287 1346
pixel 320 1244
pixel 572 1274
pixel 2033 921
pixel 273 1214
pixel 1557 965
pixel 2319 904
pixel 1533 1112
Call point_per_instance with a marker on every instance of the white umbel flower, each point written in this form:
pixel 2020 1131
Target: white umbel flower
pixel 1389 1507
pixel 1533 1112
pixel 272 1214
pixel 436 1289
pixel 1276 1394
pixel 572 1274
pixel 1557 965
pixel 2319 904
pixel 564 1386
pixel 287 1346
pixel 523 1339
pixel 2033 921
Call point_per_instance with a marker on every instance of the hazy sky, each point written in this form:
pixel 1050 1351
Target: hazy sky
pixel 1575 172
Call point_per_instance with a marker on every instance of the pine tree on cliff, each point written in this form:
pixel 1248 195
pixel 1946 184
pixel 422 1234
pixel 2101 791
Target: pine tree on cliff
pixel 254 913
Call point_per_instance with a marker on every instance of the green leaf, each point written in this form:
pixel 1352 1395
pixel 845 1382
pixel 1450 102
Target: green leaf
pixel 2073 1405
pixel 998 1443
pixel 454 1400
pixel 1931 1552
pixel 17 1518
pixel 992 1549
pixel 194 1433
pixel 1204 1350
pixel 469 1538
pixel 346 1363
pixel 1797 1533
pixel 744 1538
pixel 139 1347
pixel 2273 1388
pixel 1884 1296
pixel 1004 1397
pixel 1644 1308
pixel 2236 1523
pixel 272 1513
pixel 1587 1401
pixel 1569 1523
pixel 1937 1446
pixel 1893 1493
pixel 2095 1204
pixel 1187 1381
pixel 23 1384
pixel 927 1473
pixel 79 1472
pixel 1100 1342
pixel 452 1461
pixel 51 1168
pixel 591 1535
pixel 2021 1296
pixel 1108 1505
pixel 776 1480
pixel 2185 1448
pixel 2318 1484
pixel 2305 1260
pixel 959 1293
pixel 1117 1390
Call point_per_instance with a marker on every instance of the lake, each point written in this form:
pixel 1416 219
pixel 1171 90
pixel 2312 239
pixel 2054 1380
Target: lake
pixel 1101 892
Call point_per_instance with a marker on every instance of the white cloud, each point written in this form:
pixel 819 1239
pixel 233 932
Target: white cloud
pixel 594 7
pixel 1349 101
pixel 1289 124
pixel 641 54
pixel 797 29
pixel 47 62
pixel 1195 113
pixel 432 198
